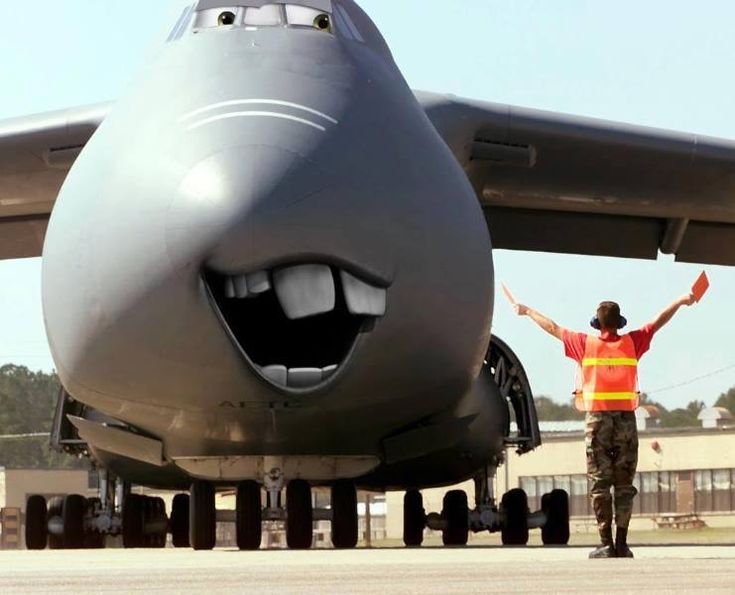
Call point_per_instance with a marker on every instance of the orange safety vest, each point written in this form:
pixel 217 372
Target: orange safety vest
pixel 608 376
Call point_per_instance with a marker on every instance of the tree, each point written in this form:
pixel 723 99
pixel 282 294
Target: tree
pixel 27 402
pixel 727 400
pixel 676 418
pixel 548 410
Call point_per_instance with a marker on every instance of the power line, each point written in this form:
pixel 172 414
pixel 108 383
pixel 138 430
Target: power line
pixel 691 380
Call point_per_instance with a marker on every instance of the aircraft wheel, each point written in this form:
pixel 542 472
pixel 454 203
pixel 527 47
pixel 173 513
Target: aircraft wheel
pixel 72 514
pixel 155 509
pixel 414 518
pixel 344 514
pixel 133 521
pixel 55 508
pixel 93 540
pixel 456 515
pixel 556 508
pixel 36 523
pixel 515 527
pixel 180 521
pixel 249 523
pixel 299 515
pixel 159 507
pixel 202 516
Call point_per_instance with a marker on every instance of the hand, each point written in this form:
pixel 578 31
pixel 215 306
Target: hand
pixel 520 309
pixel 688 300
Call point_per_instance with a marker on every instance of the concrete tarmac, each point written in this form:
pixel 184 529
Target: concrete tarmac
pixel 382 571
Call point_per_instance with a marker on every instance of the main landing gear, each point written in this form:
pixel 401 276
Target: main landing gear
pixel 512 518
pixel 76 522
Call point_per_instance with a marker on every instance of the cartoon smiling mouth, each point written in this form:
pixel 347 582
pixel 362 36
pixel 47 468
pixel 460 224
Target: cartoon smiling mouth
pixel 297 325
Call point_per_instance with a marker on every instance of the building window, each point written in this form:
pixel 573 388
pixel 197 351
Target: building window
pixel 579 502
pixel 703 490
pixel 528 485
pixel 666 491
pixel 721 490
pixel 563 482
pixel 544 485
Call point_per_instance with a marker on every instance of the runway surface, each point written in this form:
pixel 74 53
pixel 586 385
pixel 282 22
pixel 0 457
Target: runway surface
pixel 431 570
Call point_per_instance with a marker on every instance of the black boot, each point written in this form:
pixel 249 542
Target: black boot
pixel 606 549
pixel 621 543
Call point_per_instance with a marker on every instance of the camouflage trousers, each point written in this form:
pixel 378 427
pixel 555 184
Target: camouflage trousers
pixel 611 440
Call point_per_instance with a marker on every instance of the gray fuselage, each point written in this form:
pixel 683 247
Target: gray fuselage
pixel 242 152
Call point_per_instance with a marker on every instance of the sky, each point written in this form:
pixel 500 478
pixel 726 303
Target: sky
pixel 664 63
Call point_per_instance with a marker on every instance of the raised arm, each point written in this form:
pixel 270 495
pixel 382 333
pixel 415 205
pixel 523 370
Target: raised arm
pixel 668 313
pixel 545 323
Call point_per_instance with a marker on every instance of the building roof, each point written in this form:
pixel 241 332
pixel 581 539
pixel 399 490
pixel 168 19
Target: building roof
pixel 647 411
pixel 715 413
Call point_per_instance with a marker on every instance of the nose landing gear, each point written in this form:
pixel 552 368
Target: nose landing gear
pixel 298 513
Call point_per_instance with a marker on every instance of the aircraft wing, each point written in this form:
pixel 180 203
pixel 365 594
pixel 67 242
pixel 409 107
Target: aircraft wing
pixel 558 183
pixel 36 153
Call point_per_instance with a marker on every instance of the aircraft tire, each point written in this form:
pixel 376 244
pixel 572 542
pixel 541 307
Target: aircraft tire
pixel 55 508
pixel 180 521
pixel 344 514
pixel 515 527
pixel 414 518
pixel 299 515
pixel 72 514
pixel 36 523
pixel 159 507
pixel 249 521
pixel 556 507
pixel 155 508
pixel 202 516
pixel 455 513
pixel 133 521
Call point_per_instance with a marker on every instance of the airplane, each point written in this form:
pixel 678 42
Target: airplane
pixel 269 268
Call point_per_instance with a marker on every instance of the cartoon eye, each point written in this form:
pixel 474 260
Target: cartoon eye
pixel 323 23
pixel 226 18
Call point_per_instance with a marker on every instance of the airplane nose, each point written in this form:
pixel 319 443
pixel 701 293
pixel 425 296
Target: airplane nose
pixel 237 193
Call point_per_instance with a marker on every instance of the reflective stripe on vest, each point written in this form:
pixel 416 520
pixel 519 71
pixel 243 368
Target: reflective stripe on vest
pixel 608 376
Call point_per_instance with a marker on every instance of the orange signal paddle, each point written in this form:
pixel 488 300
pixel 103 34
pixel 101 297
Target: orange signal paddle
pixel 508 294
pixel 700 287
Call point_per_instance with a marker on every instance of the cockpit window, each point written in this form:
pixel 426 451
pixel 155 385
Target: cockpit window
pixel 226 16
pixel 302 16
pixel 269 15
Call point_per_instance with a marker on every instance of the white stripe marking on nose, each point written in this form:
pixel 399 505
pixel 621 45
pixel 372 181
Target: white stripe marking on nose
pixel 254 115
pixel 232 102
